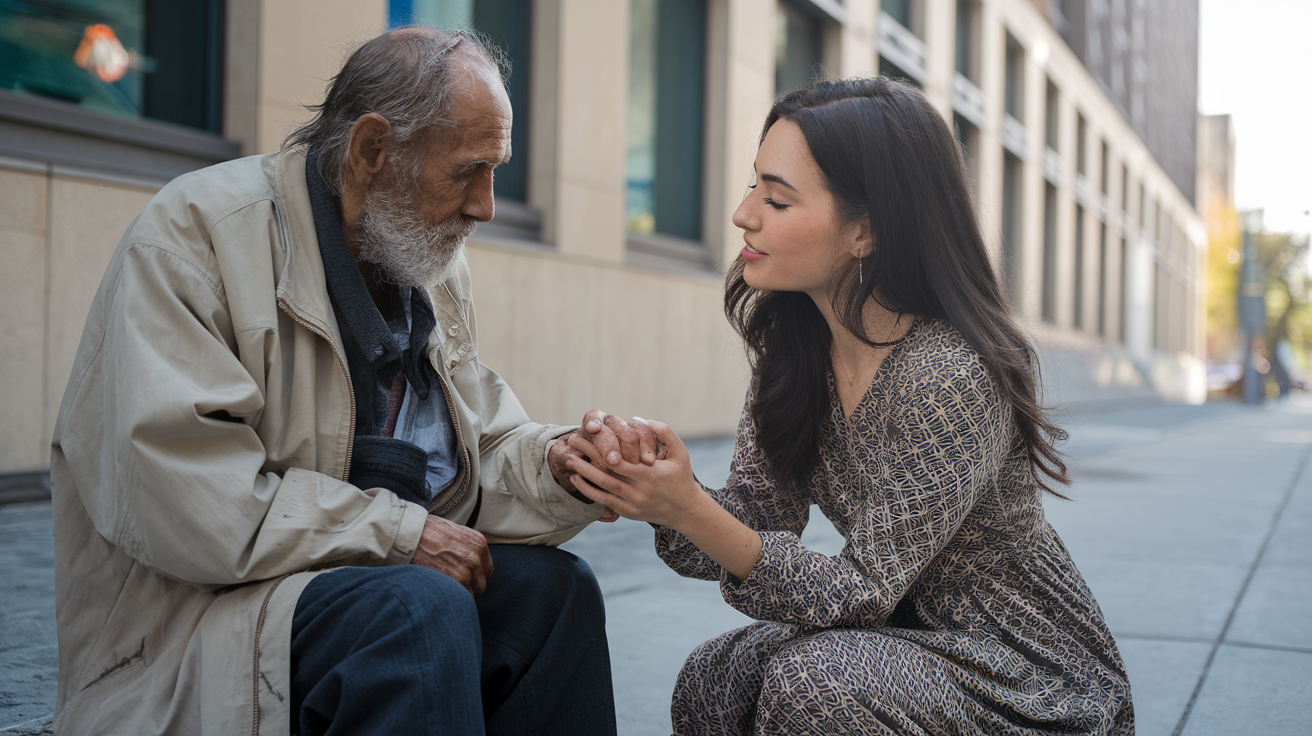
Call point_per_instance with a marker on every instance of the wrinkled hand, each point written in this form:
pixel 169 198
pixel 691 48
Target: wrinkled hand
pixel 617 440
pixel 456 551
pixel 662 491
pixel 557 458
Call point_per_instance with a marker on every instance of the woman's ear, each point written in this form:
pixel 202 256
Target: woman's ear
pixel 862 238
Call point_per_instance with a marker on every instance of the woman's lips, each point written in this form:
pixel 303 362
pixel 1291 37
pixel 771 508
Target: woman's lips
pixel 751 254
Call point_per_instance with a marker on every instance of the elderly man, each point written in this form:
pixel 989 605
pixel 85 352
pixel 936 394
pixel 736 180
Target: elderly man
pixel 277 404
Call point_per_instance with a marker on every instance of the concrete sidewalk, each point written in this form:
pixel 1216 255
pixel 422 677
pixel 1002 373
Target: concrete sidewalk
pixel 1193 526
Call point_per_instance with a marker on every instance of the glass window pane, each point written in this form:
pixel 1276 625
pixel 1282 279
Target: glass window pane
pixel 447 15
pixel 641 205
pixel 966 39
pixel 506 23
pixel 1015 78
pixel 137 58
pixel 900 10
pixel 889 69
pixel 797 48
pixel 667 69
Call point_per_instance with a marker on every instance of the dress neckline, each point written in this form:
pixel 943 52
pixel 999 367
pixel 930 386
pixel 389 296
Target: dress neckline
pixel 885 367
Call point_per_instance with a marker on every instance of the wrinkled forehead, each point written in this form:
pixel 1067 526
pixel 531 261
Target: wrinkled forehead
pixel 476 85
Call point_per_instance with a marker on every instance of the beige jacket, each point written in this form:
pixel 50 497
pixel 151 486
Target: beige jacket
pixel 199 460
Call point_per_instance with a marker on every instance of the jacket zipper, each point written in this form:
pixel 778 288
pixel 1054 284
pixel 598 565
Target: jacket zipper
pixel 346 472
pixel 463 490
pixel 259 629
pixel 350 438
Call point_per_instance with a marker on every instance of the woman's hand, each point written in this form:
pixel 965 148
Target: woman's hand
pixel 661 491
pixel 666 493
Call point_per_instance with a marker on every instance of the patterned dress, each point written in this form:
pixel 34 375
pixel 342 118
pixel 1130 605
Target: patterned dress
pixel 953 608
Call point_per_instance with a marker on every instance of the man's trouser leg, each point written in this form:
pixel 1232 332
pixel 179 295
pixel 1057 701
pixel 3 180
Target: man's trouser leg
pixel 546 666
pixel 388 650
pixel 396 650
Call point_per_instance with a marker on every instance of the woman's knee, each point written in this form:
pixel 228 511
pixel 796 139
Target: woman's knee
pixel 811 682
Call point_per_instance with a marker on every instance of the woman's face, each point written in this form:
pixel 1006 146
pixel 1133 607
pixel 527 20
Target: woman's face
pixel 794 239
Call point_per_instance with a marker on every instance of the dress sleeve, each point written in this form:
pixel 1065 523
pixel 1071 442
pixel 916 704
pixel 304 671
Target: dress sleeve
pixel 947 439
pixel 751 495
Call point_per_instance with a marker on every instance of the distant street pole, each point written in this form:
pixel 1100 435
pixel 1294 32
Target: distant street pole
pixel 1252 306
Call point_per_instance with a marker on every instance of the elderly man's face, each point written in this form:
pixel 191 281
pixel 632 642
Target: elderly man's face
pixel 412 230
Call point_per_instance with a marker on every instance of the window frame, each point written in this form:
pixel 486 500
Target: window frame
pixel 663 250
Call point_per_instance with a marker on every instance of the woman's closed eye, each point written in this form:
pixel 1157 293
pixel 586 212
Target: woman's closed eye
pixel 777 205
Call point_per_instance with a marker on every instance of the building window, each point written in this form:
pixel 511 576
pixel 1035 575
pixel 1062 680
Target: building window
pixel 1012 178
pixel 798 47
pixel 667 77
pixel 506 24
pixel 1104 171
pixel 968 141
pixel 906 12
pixel 1078 291
pixel 902 52
pixel 1015 79
pixel 1124 316
pixel 1158 308
pixel 1103 247
pixel 1049 252
pixel 1051 122
pixel 889 69
pixel 968 39
pixel 1081 150
pixel 156 59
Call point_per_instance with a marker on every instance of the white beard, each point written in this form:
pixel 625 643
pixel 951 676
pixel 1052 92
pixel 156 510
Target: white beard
pixel 407 250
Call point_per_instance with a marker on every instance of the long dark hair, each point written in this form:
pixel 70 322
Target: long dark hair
pixel 887 155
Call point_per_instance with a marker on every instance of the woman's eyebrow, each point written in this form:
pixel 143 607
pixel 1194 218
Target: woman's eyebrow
pixel 778 180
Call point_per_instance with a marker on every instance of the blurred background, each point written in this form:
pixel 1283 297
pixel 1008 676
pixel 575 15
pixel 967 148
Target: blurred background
pixel 1112 207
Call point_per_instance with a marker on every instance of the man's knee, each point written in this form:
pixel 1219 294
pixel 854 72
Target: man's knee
pixel 550 577
pixel 406 595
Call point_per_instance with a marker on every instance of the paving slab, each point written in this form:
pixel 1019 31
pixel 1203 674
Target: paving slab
pixel 1254 691
pixel 1164 599
pixel 1162 677
pixel 30 658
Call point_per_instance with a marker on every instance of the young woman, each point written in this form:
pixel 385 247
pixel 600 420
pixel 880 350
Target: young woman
pixel 892 388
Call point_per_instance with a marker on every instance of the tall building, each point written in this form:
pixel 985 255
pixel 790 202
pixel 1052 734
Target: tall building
pixel 1216 163
pixel 599 283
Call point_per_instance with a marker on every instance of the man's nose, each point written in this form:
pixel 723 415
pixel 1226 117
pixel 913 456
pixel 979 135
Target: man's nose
pixel 479 201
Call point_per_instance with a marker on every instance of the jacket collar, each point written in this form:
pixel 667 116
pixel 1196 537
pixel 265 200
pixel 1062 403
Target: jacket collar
pixel 303 287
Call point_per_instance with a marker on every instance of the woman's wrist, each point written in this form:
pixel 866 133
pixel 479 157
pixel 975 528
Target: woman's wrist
pixel 721 535
pixel 695 508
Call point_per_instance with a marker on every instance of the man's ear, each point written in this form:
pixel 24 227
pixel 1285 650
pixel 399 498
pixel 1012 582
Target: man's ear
pixel 367 151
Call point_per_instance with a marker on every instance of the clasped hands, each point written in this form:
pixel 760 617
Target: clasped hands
pixel 638 470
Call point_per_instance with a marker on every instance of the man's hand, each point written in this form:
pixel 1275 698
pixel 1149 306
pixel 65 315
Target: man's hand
pixel 616 439
pixel 456 551
pixel 558 459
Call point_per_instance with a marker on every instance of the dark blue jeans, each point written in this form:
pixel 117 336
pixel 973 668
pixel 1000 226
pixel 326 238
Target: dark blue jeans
pixel 406 650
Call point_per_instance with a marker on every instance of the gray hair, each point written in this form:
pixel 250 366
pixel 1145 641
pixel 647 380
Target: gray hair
pixel 404 76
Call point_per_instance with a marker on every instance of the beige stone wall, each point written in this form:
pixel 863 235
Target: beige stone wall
pixel 571 334
pixel 281 55
pixel 58 232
